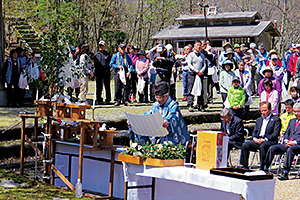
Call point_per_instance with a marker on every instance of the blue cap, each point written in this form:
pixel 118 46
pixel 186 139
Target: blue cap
pixel 292 45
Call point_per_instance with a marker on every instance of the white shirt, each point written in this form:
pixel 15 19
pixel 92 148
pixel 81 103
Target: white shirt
pixel 264 126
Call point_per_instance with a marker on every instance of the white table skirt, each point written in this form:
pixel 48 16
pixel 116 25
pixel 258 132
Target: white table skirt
pixel 187 177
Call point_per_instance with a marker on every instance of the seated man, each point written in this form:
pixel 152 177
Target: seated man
pixel 287 116
pixel 170 112
pixel 233 127
pixel 265 134
pixel 290 145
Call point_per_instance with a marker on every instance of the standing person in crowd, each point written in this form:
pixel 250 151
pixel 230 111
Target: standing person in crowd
pixel 169 48
pixel 247 57
pixel 197 65
pixel 254 75
pixel 293 60
pixel 222 57
pixel 204 99
pixel 270 54
pixel 22 59
pixel 173 121
pixel 234 128
pixel 261 60
pixel 10 76
pixel 265 134
pixel 237 50
pixel 245 78
pixel 76 58
pixel 34 73
pixel 122 63
pixel 290 145
pixel 152 72
pixel 208 43
pixel 212 71
pixel 85 64
pixel 287 116
pixel 268 72
pixel 236 97
pixel 294 94
pixel 277 69
pixel 286 60
pixel 185 71
pixel 102 72
pixel 226 77
pixel 142 66
pixel 270 95
pixel 163 60
pixel 230 56
pixel 132 50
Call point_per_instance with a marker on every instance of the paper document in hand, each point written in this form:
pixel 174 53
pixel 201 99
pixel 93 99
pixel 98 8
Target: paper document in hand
pixel 147 125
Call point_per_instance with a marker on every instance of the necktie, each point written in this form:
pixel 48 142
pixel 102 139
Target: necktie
pixel 296 125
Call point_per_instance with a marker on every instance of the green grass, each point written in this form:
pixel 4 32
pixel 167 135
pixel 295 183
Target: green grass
pixel 33 189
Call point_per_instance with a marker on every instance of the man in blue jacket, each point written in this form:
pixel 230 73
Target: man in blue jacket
pixel 170 112
pixel 122 63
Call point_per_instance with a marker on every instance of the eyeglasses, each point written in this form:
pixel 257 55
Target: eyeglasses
pixel 159 98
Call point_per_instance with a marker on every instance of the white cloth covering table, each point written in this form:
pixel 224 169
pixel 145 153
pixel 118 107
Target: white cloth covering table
pixel 189 183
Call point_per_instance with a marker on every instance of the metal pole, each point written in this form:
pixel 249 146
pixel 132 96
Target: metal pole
pixel 205 22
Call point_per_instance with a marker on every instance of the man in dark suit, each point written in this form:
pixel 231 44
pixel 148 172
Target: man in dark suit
pixel 265 134
pixel 233 127
pixel 291 145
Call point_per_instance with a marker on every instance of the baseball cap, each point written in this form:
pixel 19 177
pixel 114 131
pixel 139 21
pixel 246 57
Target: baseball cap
pixel 292 45
pixel 236 78
pixel 236 46
pixel 122 45
pixel 252 45
pixel 161 88
pixel 274 56
pixel 261 46
pixel 159 48
pixel 102 43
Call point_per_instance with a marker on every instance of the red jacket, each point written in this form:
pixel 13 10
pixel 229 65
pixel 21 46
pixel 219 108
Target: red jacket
pixel 293 62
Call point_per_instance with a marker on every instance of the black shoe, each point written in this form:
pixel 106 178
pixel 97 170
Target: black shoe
pixel 284 176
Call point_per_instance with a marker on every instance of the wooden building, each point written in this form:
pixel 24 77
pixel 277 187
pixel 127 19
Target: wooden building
pixel 234 27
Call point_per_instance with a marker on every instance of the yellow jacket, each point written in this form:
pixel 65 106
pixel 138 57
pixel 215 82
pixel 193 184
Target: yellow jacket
pixel 285 119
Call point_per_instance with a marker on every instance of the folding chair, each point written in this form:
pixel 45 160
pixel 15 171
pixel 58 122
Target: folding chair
pixel 246 137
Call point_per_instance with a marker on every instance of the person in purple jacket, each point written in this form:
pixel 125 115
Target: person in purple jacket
pixel 142 66
pixel 268 72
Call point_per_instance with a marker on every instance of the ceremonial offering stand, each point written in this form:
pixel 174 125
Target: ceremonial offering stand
pixel 54 133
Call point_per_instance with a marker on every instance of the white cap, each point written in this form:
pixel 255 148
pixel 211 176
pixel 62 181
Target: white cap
pixel 274 56
pixel 252 45
pixel 169 47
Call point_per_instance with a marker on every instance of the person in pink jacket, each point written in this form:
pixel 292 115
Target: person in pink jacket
pixel 142 66
pixel 270 95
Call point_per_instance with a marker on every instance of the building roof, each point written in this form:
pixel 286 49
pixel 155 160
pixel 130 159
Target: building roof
pixel 220 16
pixel 177 32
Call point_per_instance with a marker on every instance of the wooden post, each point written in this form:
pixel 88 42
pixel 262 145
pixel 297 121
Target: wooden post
pixel 95 135
pixel 36 127
pixel 112 172
pixel 81 151
pixel 22 146
pixel 125 190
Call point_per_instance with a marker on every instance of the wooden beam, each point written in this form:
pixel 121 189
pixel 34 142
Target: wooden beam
pixel 112 172
pixel 82 131
pixel 34 147
pixel 22 146
pixel 63 178
pixel 95 196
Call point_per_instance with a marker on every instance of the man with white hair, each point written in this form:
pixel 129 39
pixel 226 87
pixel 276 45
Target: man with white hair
pixel 291 145
pixel 234 128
